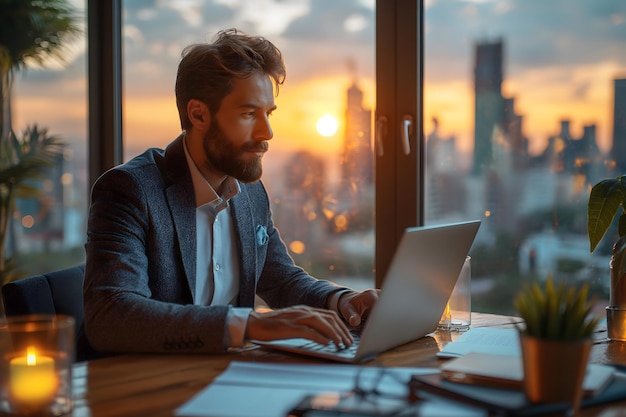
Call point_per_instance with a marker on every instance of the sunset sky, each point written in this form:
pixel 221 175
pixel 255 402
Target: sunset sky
pixel 561 57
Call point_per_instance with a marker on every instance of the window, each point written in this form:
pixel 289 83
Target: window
pixel 320 168
pixel 517 118
pixel 49 228
pixel 519 104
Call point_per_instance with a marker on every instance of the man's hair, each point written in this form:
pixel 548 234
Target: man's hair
pixel 206 71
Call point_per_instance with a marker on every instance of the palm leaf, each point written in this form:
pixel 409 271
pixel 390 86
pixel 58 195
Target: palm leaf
pixel 36 30
pixel 23 162
pixel 28 159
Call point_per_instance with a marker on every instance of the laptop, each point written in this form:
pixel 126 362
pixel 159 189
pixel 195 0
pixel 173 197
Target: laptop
pixel 418 284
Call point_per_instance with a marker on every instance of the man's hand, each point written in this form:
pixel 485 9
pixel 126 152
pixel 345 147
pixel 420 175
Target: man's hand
pixel 317 324
pixel 354 306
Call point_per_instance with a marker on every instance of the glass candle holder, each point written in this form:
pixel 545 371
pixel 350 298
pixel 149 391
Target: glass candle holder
pixel 36 357
pixel 457 315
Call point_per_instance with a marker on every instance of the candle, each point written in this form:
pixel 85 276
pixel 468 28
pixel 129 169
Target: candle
pixel 446 317
pixel 33 382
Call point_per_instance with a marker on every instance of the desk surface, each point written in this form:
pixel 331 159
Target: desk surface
pixel 155 385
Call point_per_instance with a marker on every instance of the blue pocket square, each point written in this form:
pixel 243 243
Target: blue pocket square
pixel 261 235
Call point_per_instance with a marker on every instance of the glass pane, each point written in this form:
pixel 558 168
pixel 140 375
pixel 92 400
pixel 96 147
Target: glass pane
pixel 50 99
pixel 319 171
pixel 519 101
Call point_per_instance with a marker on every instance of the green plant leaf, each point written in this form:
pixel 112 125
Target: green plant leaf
pixel 605 199
pixel 553 313
pixel 570 327
pixel 556 312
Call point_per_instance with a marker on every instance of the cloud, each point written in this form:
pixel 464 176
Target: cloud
pixel 336 35
pixel 330 21
pixel 267 17
pixel 536 33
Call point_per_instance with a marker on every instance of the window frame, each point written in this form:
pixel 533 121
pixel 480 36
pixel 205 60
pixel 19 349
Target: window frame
pixel 104 26
pixel 399 94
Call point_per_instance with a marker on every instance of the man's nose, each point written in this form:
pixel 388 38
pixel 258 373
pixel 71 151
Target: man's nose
pixel 263 129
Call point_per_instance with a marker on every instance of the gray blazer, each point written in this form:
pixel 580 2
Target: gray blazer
pixel 141 260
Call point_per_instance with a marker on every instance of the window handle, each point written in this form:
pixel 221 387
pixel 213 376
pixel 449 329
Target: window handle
pixel 407 129
pixel 381 132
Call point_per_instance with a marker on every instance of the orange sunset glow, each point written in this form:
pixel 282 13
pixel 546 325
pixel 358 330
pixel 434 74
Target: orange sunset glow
pixel 300 107
pixel 327 125
pixel 153 121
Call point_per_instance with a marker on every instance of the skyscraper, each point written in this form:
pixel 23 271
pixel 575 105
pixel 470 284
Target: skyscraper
pixel 357 165
pixel 618 150
pixel 497 127
pixel 488 104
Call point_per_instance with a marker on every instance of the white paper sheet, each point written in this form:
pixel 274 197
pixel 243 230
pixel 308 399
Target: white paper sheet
pixel 248 389
pixel 484 340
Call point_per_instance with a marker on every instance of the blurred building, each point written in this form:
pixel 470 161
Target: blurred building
pixel 618 150
pixel 445 188
pixel 488 102
pixel 357 164
pixel 497 127
pixel 356 188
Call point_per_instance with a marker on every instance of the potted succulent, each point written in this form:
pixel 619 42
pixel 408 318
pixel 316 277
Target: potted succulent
pixel 555 341
pixel 606 200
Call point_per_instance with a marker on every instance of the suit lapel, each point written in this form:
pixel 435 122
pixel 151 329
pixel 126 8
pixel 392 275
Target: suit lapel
pixel 244 229
pixel 182 203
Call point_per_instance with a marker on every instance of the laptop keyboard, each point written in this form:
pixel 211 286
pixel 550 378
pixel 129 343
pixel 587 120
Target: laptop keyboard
pixel 332 347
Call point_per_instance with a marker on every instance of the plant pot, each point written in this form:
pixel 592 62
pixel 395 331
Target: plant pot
pixel 616 311
pixel 554 370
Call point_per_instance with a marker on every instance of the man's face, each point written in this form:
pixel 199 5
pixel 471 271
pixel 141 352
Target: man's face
pixel 239 131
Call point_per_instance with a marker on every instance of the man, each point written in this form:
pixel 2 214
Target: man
pixel 180 240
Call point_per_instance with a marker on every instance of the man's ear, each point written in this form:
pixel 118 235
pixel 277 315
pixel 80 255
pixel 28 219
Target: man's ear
pixel 199 114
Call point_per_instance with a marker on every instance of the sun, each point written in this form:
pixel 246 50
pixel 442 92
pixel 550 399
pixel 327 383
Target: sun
pixel 327 125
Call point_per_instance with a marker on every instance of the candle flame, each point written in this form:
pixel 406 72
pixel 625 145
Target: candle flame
pixel 31 357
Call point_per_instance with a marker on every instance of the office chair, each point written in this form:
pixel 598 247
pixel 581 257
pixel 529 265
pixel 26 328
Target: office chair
pixel 58 292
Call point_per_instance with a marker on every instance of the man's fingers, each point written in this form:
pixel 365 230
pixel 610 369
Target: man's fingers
pixel 355 306
pixel 352 315
pixel 319 325
pixel 328 324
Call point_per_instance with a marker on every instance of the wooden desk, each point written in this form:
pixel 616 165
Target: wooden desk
pixel 155 385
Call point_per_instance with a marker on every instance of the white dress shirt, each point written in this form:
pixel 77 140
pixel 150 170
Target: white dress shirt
pixel 217 266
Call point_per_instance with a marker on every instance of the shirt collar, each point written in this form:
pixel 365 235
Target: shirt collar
pixel 205 194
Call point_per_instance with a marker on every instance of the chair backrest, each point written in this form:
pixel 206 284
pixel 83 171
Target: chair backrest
pixel 58 292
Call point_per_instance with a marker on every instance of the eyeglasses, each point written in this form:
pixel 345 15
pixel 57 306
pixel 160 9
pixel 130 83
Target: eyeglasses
pixel 375 392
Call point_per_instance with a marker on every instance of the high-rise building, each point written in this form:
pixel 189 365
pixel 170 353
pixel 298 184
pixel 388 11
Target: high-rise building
pixel 488 104
pixel 517 142
pixel 357 165
pixel 445 194
pixel 618 150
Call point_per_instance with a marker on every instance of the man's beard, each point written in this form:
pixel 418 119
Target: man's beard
pixel 224 157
